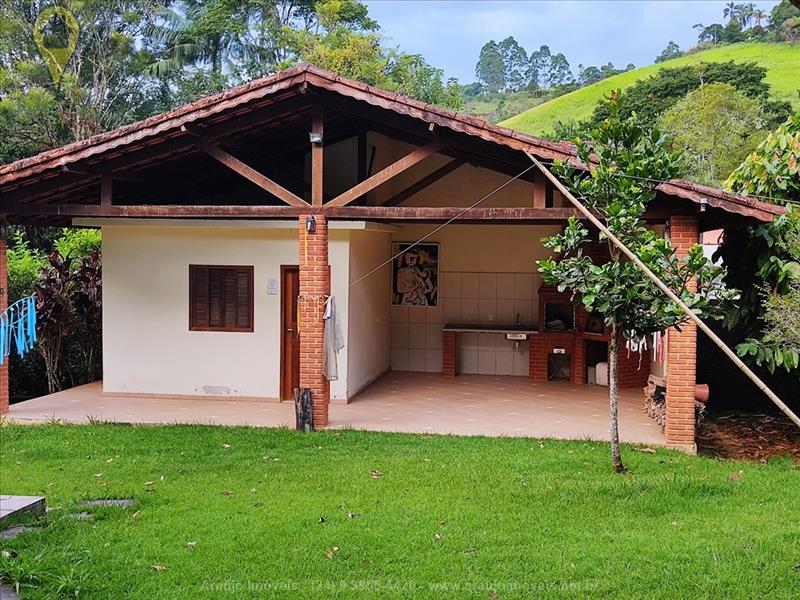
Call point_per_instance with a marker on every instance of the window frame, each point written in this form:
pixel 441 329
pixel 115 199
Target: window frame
pixel 250 270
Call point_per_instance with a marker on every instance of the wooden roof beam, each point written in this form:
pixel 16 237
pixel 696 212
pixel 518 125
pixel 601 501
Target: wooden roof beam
pixel 384 175
pixel 245 170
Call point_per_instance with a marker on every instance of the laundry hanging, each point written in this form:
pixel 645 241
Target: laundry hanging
pixel 18 325
pixel 333 341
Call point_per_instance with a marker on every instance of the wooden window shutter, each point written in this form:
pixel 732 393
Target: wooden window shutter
pixel 220 298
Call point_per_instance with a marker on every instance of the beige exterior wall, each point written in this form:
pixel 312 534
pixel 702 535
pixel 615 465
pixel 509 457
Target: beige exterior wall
pixel 147 345
pixel 369 332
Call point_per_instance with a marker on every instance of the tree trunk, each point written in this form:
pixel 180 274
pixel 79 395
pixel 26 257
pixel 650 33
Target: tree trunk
pixel 616 458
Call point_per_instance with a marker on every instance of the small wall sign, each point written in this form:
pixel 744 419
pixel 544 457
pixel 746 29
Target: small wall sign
pixel 272 287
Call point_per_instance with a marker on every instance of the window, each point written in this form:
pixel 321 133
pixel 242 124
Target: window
pixel 220 298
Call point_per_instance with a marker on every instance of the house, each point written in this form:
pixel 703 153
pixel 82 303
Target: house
pixel 227 223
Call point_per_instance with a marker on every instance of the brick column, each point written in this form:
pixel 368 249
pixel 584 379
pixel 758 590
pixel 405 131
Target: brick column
pixel 682 353
pixel 315 282
pixel 3 306
pixel 449 353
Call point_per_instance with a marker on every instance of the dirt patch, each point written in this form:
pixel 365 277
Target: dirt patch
pixel 749 436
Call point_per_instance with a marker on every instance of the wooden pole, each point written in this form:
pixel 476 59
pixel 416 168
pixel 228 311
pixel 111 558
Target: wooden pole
pixel 672 295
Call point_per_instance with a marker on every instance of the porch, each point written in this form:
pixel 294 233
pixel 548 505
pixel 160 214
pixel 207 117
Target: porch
pixel 398 402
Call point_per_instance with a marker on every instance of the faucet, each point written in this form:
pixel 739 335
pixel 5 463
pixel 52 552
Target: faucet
pixel 518 321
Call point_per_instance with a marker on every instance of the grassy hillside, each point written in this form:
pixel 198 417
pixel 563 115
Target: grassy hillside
pixel 782 62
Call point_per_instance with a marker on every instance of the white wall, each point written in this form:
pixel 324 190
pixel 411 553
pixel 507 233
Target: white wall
pixel 147 345
pixel 370 299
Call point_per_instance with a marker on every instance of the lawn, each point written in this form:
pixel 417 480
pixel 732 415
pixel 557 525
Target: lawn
pixel 782 62
pixel 237 512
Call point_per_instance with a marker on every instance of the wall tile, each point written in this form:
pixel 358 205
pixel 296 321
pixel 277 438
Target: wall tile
pixel 487 341
pixel 399 359
pixel 469 310
pixel 433 336
pixel 416 314
pixel 469 285
pixel 434 314
pixel 467 362
pixel 450 285
pixel 525 310
pixel 505 285
pixel 400 335
pixel 523 285
pixel 467 341
pixel 433 361
pixel 487 310
pixel 504 363
pixel 416 336
pixel 505 312
pixel 487 285
pixel 399 314
pixel 416 360
pixel 451 310
pixel 521 366
pixel 486 362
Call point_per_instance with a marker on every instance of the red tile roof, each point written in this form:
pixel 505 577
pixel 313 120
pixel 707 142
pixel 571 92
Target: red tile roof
pixel 137 134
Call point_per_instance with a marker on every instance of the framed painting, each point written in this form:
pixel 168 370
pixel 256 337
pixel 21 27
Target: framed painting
pixel 415 274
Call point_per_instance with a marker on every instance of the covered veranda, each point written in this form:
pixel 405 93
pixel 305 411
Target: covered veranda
pixel 398 402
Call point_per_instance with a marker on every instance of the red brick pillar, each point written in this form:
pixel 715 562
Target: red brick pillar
pixel 682 352
pixel 449 353
pixel 3 306
pixel 315 284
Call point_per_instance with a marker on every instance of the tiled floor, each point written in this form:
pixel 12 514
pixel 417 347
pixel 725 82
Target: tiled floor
pixel 409 402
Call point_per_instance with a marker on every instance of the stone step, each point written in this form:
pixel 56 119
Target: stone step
pixel 14 507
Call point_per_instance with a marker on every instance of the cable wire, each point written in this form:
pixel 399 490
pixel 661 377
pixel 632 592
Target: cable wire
pixel 443 225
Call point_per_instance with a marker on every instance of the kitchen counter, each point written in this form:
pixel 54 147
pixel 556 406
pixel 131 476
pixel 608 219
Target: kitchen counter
pixel 489 328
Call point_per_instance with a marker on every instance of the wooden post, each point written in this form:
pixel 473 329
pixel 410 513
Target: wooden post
pixel 106 189
pixel 317 153
pixel 304 419
pixel 3 306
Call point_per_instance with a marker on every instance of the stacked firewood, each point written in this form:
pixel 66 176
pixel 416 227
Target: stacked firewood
pixel 655 400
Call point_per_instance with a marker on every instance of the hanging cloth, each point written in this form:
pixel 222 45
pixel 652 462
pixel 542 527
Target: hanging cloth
pixel 333 341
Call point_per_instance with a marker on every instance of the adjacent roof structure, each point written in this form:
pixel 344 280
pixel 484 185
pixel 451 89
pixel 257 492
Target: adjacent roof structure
pixel 67 174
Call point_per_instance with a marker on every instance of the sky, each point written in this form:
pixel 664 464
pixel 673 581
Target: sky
pixel 450 33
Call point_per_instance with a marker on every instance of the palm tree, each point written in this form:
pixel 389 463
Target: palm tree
pixel 746 13
pixel 731 11
pixel 759 15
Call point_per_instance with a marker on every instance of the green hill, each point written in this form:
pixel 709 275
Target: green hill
pixel 782 62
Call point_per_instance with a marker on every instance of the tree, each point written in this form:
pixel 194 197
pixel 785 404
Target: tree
pixel 490 69
pixel 649 98
pixel 765 260
pixel 731 11
pixel 559 72
pixel 539 66
pixel 630 303
pixel 714 127
pixel 671 51
pixel 515 63
pixel 588 75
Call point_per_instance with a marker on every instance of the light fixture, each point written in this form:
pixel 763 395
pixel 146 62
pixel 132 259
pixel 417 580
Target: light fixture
pixel 314 137
pixel 311 224
pixel 703 203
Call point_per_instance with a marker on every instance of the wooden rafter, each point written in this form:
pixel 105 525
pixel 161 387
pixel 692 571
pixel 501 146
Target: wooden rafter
pixel 384 175
pixel 246 171
pixel 420 185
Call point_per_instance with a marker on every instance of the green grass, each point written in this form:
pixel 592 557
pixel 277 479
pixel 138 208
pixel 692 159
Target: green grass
pixel 447 517
pixel 782 62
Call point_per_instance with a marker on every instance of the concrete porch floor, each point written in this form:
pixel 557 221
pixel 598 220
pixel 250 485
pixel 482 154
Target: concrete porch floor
pixel 400 402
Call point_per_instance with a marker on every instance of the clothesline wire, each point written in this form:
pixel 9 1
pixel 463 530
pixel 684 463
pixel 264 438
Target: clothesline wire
pixel 506 183
pixel 651 180
pixel 442 226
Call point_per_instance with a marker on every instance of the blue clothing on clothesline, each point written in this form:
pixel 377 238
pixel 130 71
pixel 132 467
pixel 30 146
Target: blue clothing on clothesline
pixel 18 323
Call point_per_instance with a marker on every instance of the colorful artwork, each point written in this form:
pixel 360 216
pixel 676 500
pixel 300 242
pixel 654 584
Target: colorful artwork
pixel 415 274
